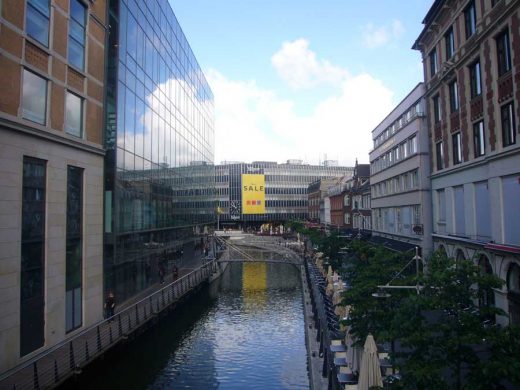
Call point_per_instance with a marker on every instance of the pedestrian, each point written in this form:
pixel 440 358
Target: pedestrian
pixel 110 306
pixel 161 272
pixel 175 272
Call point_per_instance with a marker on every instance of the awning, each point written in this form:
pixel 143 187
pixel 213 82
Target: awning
pixel 394 245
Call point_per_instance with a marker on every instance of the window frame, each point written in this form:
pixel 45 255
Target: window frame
pixel 454 96
pixel 503 45
pixel 470 19
pixel 70 35
pixel 82 114
pixel 437 109
pixel 511 132
pixel 479 139
pixel 456 143
pixel 434 68
pixel 439 155
pixel 449 43
pixel 475 78
pixel 46 94
pixel 38 10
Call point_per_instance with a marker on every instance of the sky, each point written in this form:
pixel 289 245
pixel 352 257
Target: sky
pixel 302 79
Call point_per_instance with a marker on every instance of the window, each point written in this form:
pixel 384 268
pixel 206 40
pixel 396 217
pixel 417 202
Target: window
pixel 412 145
pixel 414 176
pixel 479 142
pixel 433 62
pixel 449 40
pixel 32 280
pixel 511 209
pixel 508 125
pixel 416 214
pixel 439 153
pixel 457 148
pixel 347 219
pixel 454 96
pixel 475 81
pixel 436 109
pixel 74 253
pixel 470 19
pixel 37 20
pixel 77 34
pixel 34 99
pixel 346 200
pixel 441 206
pixel 503 53
pixel 459 210
pixel 74 115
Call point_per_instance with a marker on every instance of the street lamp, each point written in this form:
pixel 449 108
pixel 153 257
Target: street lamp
pixel 417 287
pixel 383 294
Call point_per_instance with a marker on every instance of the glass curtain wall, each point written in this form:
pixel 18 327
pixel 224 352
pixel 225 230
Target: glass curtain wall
pixel 160 142
pixel 285 189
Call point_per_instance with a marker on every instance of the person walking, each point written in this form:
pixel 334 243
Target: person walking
pixel 110 306
pixel 175 272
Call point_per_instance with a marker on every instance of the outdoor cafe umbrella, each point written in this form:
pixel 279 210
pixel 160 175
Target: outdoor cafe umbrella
pixel 353 353
pixel 370 372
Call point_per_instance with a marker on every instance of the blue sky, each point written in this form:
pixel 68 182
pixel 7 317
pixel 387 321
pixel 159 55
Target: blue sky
pixel 303 79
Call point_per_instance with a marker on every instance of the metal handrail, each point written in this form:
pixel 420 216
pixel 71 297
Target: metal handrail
pixel 52 366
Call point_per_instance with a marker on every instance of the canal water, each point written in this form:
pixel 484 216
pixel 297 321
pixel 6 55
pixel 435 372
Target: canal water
pixel 245 331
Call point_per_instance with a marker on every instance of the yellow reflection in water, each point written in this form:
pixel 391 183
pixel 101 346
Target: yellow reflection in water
pixel 254 284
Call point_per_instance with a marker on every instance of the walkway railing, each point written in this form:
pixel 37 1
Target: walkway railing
pixel 53 366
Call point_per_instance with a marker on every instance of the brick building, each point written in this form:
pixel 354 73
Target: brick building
pixel 316 193
pixel 471 56
pixel 356 205
pixel 52 73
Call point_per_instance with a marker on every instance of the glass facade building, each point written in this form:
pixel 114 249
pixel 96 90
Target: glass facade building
pixel 159 136
pixel 285 189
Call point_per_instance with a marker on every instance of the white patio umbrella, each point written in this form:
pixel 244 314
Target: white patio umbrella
pixel 353 353
pixel 370 372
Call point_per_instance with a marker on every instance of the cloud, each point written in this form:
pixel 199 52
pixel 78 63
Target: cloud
pixel 374 37
pixel 297 65
pixel 254 123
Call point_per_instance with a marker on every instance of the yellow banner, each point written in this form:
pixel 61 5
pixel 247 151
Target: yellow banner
pixel 253 194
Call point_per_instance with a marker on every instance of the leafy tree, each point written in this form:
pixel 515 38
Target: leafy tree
pixel 442 328
pixel 500 361
pixel 368 267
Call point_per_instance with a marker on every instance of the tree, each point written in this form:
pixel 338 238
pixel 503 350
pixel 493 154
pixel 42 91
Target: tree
pixel 442 328
pixel 368 266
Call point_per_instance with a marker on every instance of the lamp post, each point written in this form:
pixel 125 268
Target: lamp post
pixel 384 294
pixel 417 287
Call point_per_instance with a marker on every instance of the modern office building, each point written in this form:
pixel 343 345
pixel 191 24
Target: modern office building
pixel 159 138
pixel 51 172
pixel 399 177
pixel 260 192
pixel 471 57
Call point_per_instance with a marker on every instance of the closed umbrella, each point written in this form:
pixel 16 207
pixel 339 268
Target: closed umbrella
pixel 353 353
pixel 370 372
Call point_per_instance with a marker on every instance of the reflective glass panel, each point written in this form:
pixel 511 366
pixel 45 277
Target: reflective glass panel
pixel 34 97
pixel 74 115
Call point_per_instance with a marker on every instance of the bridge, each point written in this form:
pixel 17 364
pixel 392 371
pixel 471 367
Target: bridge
pixel 249 248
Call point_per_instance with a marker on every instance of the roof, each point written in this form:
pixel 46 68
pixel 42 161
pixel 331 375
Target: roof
pixel 428 19
pixel 394 245
pixel 362 170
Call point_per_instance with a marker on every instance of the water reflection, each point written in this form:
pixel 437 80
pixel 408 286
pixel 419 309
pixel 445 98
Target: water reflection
pixel 245 331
